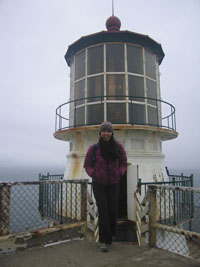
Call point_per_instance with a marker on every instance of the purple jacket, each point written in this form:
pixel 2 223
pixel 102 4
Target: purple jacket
pixel 103 172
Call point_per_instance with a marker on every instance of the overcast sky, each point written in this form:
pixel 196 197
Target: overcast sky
pixel 34 77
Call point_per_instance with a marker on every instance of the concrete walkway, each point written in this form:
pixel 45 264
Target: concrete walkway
pixel 86 254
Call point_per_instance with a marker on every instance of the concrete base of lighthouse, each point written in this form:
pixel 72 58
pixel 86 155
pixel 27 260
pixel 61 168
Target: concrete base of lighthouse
pixel 144 151
pixel 144 148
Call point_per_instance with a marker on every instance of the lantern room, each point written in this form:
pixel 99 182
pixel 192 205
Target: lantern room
pixel 114 77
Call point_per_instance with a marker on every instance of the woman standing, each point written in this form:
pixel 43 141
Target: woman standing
pixel 106 162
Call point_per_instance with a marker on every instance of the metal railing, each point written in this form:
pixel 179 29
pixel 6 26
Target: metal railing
pixel 176 180
pixel 62 202
pixel 165 230
pixel 50 177
pixel 26 206
pixel 181 208
pixel 66 114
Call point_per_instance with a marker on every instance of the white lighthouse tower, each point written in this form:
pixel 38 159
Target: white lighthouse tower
pixel 115 77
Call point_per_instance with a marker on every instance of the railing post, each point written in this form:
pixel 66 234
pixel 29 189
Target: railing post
pixel 192 197
pixel 60 119
pixel 56 121
pixel 61 203
pixel 191 203
pixel 83 200
pixel 41 196
pixel 75 114
pixel 5 192
pixel 174 201
pixel 152 216
pixel 172 119
pixel 139 185
pixel 167 170
pixel 84 205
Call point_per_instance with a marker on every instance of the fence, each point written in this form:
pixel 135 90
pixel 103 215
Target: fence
pixel 175 206
pixel 26 206
pixel 49 203
pixel 174 180
pixel 51 177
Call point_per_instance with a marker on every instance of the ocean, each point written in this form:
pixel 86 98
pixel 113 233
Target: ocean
pixel 27 173
pixel 31 173
pixel 24 208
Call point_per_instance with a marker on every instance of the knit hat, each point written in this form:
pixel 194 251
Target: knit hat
pixel 106 125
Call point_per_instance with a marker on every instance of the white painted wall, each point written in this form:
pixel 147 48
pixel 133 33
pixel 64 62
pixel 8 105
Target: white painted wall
pixel 131 188
pixel 144 148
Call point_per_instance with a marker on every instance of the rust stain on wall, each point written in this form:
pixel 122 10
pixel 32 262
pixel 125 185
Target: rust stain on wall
pixel 74 155
pixel 79 142
pixel 75 166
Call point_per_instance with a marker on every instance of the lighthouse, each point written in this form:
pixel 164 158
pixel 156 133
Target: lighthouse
pixel 114 76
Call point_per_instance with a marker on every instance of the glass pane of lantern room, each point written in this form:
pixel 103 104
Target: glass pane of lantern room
pixel 114 58
pixel 150 65
pixel 95 114
pixel 95 60
pixel 95 88
pixel 136 87
pixel 80 92
pixel 134 58
pixel 79 116
pixel 80 65
pixel 152 116
pixel 137 114
pixel 115 86
pixel 71 118
pixel 151 91
pixel 116 112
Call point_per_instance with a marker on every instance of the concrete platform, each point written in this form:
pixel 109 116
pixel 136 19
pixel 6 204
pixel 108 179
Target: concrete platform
pixel 86 254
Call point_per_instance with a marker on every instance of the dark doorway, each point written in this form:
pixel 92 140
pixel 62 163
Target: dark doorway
pixel 122 204
pixel 125 229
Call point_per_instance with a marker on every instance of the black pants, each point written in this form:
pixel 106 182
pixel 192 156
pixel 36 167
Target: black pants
pixel 107 203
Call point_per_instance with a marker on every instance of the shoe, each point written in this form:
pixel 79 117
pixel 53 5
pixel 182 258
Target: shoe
pixel 103 247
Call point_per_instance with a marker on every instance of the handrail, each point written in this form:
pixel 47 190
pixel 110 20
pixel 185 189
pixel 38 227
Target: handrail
pixel 174 180
pixel 168 121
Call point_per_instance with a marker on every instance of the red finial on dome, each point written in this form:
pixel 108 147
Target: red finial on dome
pixel 113 24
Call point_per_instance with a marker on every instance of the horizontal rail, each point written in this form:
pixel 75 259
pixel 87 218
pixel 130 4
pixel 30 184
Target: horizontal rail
pixel 174 188
pixel 43 182
pixel 174 180
pixel 176 230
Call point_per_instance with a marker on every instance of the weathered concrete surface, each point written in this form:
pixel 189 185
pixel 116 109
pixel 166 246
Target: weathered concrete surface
pixel 86 254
